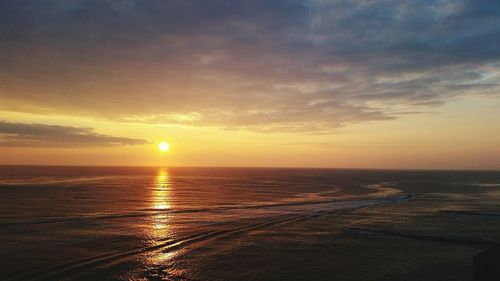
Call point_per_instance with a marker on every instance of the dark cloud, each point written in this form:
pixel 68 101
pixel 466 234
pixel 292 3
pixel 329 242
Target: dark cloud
pixel 20 134
pixel 262 64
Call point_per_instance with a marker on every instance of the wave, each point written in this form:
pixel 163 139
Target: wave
pixel 151 211
pixel 470 213
pixel 120 255
pixel 431 238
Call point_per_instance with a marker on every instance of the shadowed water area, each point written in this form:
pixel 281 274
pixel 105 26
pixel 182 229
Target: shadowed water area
pixel 91 223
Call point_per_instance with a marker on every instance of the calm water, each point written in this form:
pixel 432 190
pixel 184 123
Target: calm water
pixel 96 223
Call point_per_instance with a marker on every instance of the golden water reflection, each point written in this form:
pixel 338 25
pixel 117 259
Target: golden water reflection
pixel 159 232
pixel 161 191
pixel 161 201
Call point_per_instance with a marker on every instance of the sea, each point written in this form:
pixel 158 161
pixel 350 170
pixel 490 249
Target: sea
pixel 145 223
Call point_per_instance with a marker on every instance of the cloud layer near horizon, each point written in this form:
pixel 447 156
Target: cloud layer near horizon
pixel 41 135
pixel 262 65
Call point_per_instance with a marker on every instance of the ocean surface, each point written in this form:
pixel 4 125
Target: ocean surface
pixel 117 223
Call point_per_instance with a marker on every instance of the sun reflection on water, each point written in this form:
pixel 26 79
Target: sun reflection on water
pixel 160 232
pixel 161 202
pixel 161 191
pixel 160 227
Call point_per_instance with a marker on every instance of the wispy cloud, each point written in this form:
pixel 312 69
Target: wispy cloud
pixel 20 134
pixel 261 65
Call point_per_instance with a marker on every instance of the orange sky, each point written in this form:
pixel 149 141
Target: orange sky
pixel 264 83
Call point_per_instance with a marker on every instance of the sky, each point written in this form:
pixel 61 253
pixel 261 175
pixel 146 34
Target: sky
pixel 350 84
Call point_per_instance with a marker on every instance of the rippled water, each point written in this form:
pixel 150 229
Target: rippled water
pixel 102 223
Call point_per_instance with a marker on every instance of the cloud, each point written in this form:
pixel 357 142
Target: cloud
pixel 20 134
pixel 260 65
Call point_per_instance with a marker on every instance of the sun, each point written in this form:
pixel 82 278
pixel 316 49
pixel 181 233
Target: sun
pixel 164 146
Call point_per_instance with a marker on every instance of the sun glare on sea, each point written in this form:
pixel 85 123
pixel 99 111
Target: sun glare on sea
pixel 164 146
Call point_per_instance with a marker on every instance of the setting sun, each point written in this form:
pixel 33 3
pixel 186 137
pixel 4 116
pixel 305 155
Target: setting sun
pixel 164 146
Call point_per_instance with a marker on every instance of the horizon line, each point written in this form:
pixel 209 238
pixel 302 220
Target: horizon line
pixel 259 167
